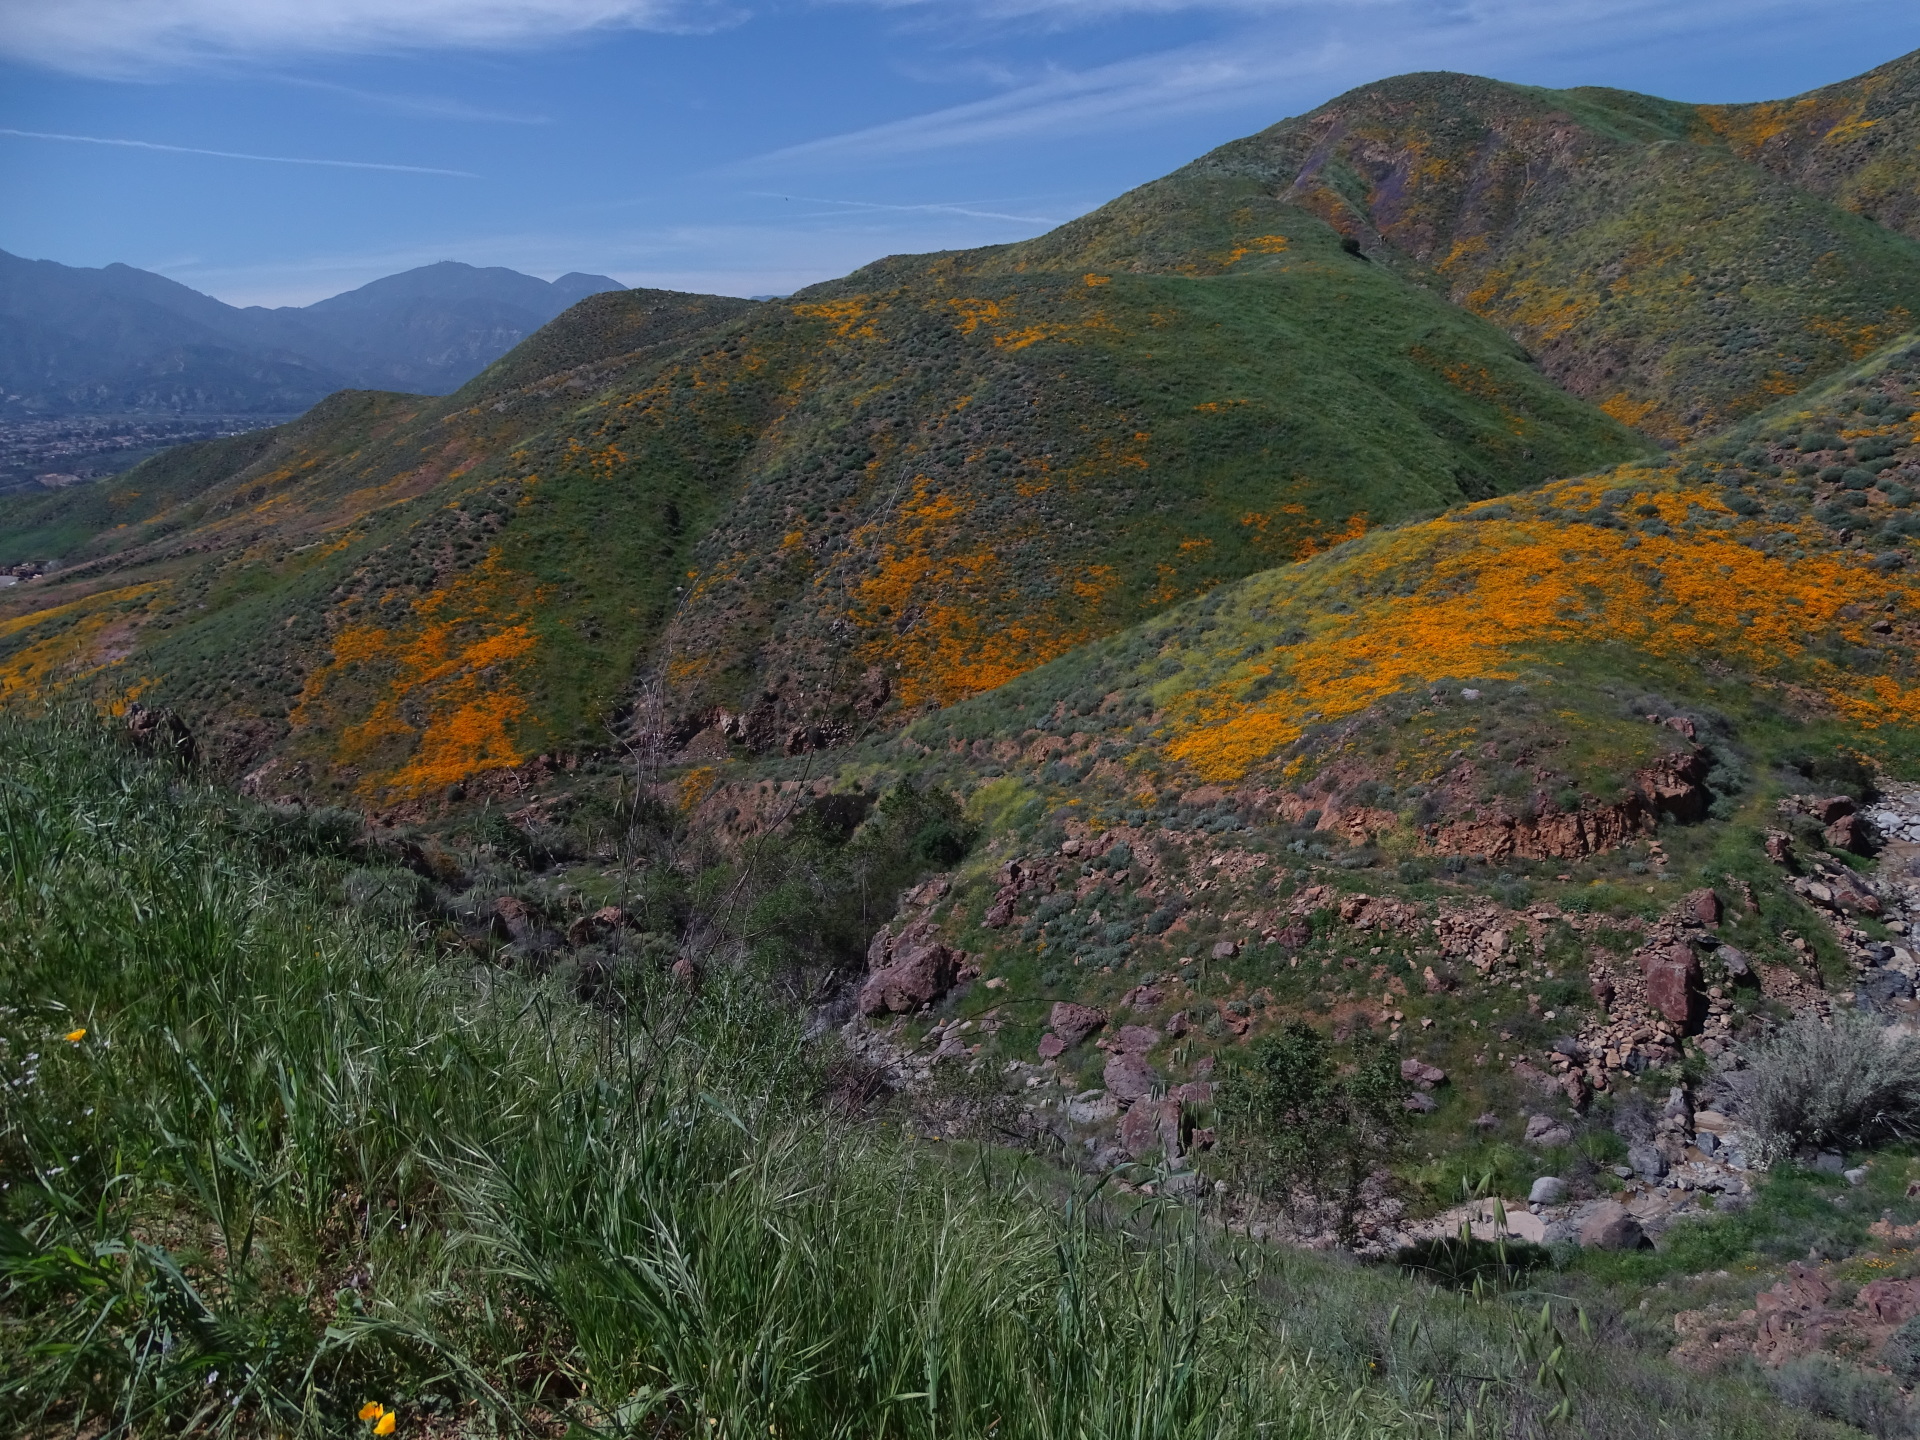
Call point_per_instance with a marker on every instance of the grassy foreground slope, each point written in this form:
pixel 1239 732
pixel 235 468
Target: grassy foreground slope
pixel 807 513
pixel 275 1169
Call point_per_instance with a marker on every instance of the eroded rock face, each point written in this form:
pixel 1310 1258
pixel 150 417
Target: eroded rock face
pixel 908 971
pixel 1674 785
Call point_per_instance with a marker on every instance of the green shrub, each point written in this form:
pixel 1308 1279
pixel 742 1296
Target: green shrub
pixel 1845 1083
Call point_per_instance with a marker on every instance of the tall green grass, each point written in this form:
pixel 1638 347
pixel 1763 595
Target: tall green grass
pixel 297 1163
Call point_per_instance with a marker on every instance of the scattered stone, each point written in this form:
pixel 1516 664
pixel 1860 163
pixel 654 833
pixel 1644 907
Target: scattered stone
pixel 1547 1190
pixel 1647 1161
pixel 1420 1103
pixel 1486 1121
pixel 1702 906
pixel 1052 1047
pixel 1128 1076
pixel 1855 1176
pixel 1610 1227
pixel 1074 1023
pixel 1137 1039
pixel 1779 847
pixel 685 973
pixel 1421 1075
pixel 1225 950
pixel 1880 989
pixel 1829 1163
pixel 1735 960
pixel 1090 1107
pixel 1545 1131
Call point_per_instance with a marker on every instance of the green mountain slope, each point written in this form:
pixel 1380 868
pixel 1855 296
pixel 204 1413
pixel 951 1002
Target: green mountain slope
pixel 892 492
pixel 717 524
pixel 1651 268
pixel 1769 573
pixel 1857 143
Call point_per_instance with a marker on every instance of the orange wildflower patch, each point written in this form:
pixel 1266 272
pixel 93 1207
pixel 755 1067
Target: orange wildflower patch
pixel 967 627
pixel 433 700
pixel 1258 245
pixel 1627 410
pixel 1495 595
pixel 851 318
pixel 80 641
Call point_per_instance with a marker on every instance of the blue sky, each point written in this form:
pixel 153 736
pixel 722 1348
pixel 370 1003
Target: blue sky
pixel 733 145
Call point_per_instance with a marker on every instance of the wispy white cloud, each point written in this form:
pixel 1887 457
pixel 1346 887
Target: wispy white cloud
pixel 970 208
pixel 431 107
pixel 1274 55
pixel 131 37
pixel 236 154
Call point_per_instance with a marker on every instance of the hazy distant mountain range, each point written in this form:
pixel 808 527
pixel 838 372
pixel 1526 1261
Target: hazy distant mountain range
pixel 117 339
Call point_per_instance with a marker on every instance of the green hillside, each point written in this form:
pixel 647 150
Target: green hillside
pixel 1651 268
pixel 884 495
pixel 1856 143
pixel 719 525
pixel 1448 716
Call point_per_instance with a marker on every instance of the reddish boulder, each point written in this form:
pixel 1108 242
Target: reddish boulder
pixel 1849 833
pixel 1832 808
pixel 1052 1047
pixel 1151 1125
pixel 1137 1039
pixel 1779 847
pixel 1701 906
pixel 597 926
pixel 1295 933
pixel 1610 1227
pixel 1074 1023
pixel 1420 1074
pixel 1673 985
pixel 511 918
pixel 1891 1302
pixel 909 971
pixel 1128 1077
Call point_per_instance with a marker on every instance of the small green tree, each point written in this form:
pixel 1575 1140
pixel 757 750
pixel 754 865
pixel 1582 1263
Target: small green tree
pixel 1305 1126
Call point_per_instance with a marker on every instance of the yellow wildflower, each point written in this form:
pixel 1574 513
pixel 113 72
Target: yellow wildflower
pixel 372 1410
pixel 74 1037
pixel 386 1424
